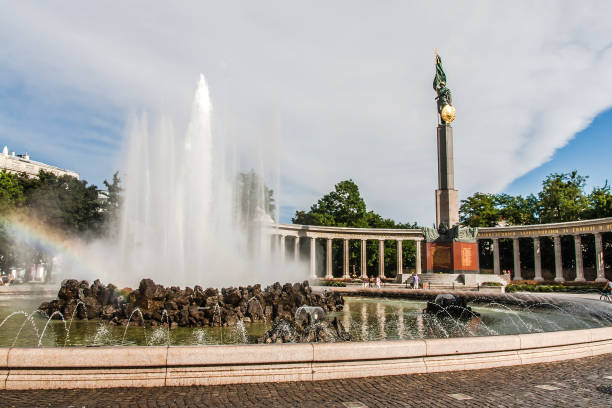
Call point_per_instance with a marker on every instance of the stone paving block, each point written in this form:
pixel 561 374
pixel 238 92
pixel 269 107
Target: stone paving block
pixel 460 397
pixel 548 387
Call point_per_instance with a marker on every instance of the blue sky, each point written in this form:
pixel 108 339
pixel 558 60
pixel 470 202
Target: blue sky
pixel 589 152
pixel 318 92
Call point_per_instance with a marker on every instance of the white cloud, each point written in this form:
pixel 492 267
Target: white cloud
pixel 347 85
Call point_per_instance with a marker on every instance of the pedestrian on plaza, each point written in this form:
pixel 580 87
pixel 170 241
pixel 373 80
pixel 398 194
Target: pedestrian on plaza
pixel 607 289
pixel 378 282
pixel 415 281
pixel 372 281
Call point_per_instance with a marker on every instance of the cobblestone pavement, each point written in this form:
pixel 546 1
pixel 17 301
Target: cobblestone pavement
pixel 576 383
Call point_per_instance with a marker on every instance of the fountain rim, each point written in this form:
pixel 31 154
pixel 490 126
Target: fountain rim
pixel 151 366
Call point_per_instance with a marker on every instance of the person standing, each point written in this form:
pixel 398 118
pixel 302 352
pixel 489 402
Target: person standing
pixel 415 281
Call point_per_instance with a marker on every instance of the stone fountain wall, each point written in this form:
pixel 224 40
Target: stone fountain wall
pixel 152 304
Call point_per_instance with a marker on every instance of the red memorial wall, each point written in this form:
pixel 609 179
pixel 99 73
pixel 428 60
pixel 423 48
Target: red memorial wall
pixel 451 257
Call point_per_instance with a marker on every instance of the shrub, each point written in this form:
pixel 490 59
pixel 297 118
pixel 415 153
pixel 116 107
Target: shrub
pixel 332 283
pixel 491 284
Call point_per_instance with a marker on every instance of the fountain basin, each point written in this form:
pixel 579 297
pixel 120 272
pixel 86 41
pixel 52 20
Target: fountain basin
pixel 101 367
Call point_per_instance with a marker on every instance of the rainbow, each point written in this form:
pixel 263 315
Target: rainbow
pixel 34 232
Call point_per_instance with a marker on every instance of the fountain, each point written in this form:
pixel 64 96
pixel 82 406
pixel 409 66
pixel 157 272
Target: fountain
pixel 186 220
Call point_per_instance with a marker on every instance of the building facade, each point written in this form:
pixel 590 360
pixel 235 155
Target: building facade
pixel 22 163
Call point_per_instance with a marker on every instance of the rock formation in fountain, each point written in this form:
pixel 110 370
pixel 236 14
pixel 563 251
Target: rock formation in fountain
pixel 185 307
pixel 447 305
pixel 306 331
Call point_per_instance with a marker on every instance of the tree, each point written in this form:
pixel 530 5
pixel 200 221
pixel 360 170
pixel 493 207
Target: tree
pixel 11 192
pixel 600 202
pixel 344 207
pixel 254 198
pixel 562 198
pixel 64 203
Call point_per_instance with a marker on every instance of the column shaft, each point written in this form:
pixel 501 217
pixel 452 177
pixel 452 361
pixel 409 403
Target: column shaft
pixel 381 258
pixel 328 260
pixel 296 249
pixel 345 265
pixel 364 259
pixel 496 266
pixel 517 259
pixel 537 259
pixel 558 259
pixel 417 267
pixel 578 250
pixel 400 258
pixel 313 253
pixel 599 259
pixel 282 248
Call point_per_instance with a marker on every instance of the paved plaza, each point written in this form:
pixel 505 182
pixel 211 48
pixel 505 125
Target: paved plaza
pixel 576 383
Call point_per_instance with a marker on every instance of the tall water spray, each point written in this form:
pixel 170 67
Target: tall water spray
pixel 187 218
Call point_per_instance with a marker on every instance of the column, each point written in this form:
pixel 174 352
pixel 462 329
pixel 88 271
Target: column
pixel 296 249
pixel 364 259
pixel 537 259
pixel 578 250
pixel 282 248
pixel 381 258
pixel 328 260
pixel 496 269
pixel 558 260
pixel 517 259
pixel 345 264
pixel 313 253
pixel 418 257
pixel 599 259
pixel 400 258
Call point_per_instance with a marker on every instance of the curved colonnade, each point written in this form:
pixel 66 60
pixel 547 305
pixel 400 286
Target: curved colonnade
pixel 596 227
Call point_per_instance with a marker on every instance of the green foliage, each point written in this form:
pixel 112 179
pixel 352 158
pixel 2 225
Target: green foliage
pixel 551 288
pixel 11 192
pixel 254 196
pixel 562 198
pixel 63 204
pixel 491 284
pixel 344 207
pixel 332 283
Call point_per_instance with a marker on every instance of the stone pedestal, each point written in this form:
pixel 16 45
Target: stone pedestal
pixel 451 257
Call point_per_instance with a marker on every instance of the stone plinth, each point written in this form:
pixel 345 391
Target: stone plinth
pixel 451 257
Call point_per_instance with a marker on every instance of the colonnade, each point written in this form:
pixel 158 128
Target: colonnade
pixel 313 233
pixel 555 231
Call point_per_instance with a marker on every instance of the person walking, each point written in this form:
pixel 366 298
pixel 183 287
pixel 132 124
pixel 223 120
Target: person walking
pixel 415 281
pixel 378 282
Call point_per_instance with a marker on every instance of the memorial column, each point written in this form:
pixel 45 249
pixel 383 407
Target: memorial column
pixel 328 260
pixel 381 258
pixel 345 264
pixel 516 254
pixel 578 251
pixel 364 260
pixel 537 259
pixel 599 259
pixel 558 259
pixel 496 267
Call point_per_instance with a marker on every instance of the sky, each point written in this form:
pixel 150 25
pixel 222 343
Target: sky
pixel 320 91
